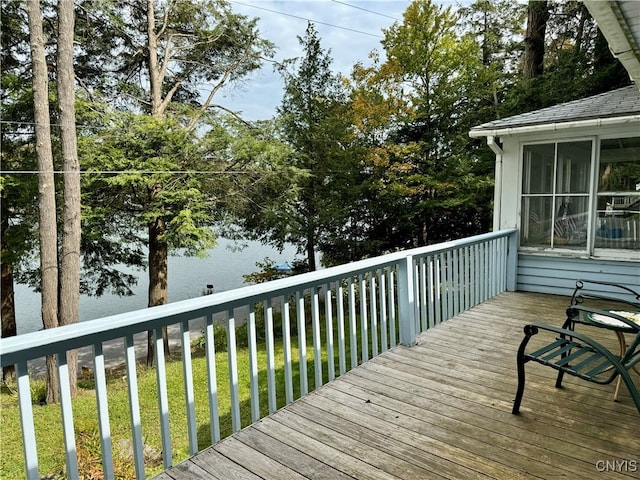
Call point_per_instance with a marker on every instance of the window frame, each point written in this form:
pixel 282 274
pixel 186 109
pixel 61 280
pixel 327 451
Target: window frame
pixel 602 252
pixel 557 249
pixel 589 250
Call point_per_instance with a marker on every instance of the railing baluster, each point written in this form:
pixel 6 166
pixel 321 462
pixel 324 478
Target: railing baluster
pixel 232 361
pixel 374 314
pixel 352 324
pixel 457 290
pixel 442 287
pixel 424 297
pixel 476 274
pixel 212 379
pixel 416 294
pixel 467 277
pixel 450 284
pixel 328 313
pixel 286 339
pixel 341 338
pixel 134 406
pixel 67 416
pixel 253 366
pixel 302 344
pixel 384 335
pixel 271 362
pixel 163 398
pixel 487 279
pixel 102 403
pixel 189 394
pixel 429 290
pixel 315 330
pixel 364 321
pixel 26 422
pixel 392 308
pixel 504 256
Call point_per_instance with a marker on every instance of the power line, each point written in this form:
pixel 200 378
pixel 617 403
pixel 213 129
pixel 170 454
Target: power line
pixel 366 10
pixel 308 19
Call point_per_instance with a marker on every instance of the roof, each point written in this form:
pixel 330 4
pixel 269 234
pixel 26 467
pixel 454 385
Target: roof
pixel 616 106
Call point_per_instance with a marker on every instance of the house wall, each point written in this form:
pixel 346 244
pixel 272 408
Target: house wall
pixel 555 272
pixel 558 275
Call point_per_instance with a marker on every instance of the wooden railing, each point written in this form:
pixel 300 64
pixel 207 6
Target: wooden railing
pixel 348 313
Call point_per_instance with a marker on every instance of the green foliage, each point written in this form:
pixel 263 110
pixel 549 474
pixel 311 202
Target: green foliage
pixel 315 121
pixel 268 271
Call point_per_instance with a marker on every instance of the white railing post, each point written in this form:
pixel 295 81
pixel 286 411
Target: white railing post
pixel 406 301
pixel 512 261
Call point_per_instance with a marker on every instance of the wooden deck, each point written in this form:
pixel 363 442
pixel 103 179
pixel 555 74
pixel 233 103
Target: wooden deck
pixel 442 409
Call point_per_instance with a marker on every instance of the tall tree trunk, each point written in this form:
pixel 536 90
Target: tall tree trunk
pixel 8 310
pixel 311 250
pixel 46 188
pixel 70 261
pixel 534 39
pixel 158 249
pixel 158 273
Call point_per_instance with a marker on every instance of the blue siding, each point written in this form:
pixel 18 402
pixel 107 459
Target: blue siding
pixel 557 275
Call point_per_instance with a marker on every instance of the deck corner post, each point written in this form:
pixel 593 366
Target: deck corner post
pixel 512 261
pixel 406 301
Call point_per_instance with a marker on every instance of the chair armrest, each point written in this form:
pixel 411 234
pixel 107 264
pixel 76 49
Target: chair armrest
pixel 580 313
pixel 534 328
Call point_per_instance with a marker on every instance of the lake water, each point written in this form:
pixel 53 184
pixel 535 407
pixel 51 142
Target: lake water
pixel 188 278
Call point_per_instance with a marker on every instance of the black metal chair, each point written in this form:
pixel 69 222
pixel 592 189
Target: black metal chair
pixel 581 356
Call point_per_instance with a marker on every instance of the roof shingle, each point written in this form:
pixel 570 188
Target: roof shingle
pixel 616 103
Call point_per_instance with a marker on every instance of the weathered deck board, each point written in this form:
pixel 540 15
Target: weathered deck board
pixel 441 410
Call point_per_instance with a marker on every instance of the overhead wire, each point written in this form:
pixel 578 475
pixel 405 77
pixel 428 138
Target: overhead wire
pixel 319 22
pixel 366 10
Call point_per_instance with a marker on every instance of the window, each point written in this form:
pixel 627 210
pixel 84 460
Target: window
pixel 564 209
pixel 618 202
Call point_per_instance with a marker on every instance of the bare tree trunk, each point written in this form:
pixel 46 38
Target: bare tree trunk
pixel 70 261
pixel 8 310
pixel 534 39
pixel 46 188
pixel 158 249
pixel 158 272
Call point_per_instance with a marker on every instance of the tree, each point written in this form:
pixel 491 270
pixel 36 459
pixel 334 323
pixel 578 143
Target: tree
pixel 173 59
pixel 534 40
pixel 18 204
pixel 46 187
pixel 444 187
pixel 317 127
pixel 69 296
pixel 572 59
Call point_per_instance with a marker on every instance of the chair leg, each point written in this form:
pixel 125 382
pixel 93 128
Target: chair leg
pixel 520 391
pixel 520 360
pixel 559 379
pixel 617 391
pixel 633 391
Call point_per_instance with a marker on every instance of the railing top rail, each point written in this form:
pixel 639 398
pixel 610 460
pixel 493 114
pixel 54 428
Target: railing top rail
pixel 45 342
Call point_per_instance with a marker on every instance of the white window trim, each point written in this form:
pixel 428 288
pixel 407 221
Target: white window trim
pixel 590 251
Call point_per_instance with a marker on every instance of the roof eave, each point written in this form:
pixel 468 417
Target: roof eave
pixel 620 37
pixel 552 127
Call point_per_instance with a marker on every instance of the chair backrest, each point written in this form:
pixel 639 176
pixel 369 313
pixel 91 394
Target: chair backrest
pixel 595 290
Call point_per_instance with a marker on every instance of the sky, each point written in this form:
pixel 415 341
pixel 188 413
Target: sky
pixel 350 29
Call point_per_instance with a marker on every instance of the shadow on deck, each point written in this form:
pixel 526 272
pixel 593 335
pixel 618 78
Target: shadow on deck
pixel 442 409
